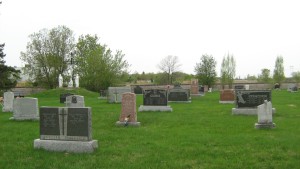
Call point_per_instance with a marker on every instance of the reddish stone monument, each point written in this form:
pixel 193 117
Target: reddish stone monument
pixel 128 115
pixel 194 87
pixel 227 96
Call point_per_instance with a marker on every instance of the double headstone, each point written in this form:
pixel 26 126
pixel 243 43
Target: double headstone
pixel 115 93
pixel 155 100
pixel 248 100
pixel 25 109
pixel 128 115
pixel 227 96
pixel 178 94
pixel 66 129
pixel 75 101
pixel 8 102
pixel 264 113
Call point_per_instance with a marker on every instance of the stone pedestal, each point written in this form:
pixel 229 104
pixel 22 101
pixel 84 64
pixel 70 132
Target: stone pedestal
pixel 265 125
pixel 155 108
pixel 66 146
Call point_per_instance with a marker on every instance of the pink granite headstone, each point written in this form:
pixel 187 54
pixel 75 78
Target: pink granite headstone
pixel 128 113
pixel 194 86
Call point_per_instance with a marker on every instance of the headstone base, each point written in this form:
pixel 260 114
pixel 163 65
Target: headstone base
pixel 227 102
pixel 200 94
pixel 135 124
pixel 265 125
pixel 247 111
pixel 180 101
pixel 155 108
pixel 24 118
pixel 66 146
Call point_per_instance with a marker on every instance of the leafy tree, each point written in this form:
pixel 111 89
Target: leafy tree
pixel 251 77
pixel 8 75
pixel 278 74
pixel 48 55
pixel 96 65
pixel 296 77
pixel 228 70
pixel 265 76
pixel 206 70
pixel 169 65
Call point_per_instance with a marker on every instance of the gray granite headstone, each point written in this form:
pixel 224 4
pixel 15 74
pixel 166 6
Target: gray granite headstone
pixel 25 109
pixel 75 101
pixel 115 93
pixel 178 94
pixel 8 102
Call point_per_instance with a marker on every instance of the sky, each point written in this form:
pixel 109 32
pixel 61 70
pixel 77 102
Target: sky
pixel 255 32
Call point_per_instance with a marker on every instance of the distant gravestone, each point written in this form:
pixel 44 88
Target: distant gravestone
pixel 227 96
pixel 264 113
pixel 115 93
pixel 8 101
pixel 66 130
pixel 178 94
pixel 62 98
pixel 239 87
pixel 201 90
pixel 155 100
pixel 292 88
pixel 25 109
pixel 77 81
pixel 75 101
pixel 128 115
pixel 102 94
pixel 248 100
pixel 138 90
pixel 194 87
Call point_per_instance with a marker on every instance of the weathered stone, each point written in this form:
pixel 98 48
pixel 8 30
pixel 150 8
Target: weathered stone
pixel 25 109
pixel 115 93
pixel 128 113
pixel 75 101
pixel 8 102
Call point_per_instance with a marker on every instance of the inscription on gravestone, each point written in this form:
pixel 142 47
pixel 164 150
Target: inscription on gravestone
pixel 155 97
pixel 251 98
pixel 62 123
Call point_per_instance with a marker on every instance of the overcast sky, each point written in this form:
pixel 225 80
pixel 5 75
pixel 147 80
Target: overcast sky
pixel 255 32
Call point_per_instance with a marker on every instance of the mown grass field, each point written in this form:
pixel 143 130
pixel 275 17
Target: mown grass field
pixel 201 134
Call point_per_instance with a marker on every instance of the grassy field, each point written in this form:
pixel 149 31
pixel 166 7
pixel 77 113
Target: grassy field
pixel 201 134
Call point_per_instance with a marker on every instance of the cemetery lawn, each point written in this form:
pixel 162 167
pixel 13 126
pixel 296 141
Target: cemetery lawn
pixel 201 134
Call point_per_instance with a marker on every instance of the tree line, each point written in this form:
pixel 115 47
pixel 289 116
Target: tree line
pixel 54 52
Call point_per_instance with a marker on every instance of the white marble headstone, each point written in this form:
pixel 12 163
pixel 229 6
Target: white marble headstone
pixel 8 102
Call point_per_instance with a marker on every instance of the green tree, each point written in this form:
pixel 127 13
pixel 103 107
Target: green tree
pixel 48 55
pixel 228 70
pixel 96 65
pixel 265 76
pixel 8 75
pixel 206 70
pixel 296 77
pixel 169 65
pixel 278 74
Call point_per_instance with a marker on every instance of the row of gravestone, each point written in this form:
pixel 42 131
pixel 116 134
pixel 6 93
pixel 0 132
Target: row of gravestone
pixel 114 94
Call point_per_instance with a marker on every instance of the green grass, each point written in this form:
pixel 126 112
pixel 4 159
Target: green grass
pixel 201 134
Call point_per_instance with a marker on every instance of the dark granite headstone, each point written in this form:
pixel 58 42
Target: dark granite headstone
pixel 155 97
pixel 62 123
pixel 64 96
pixel 201 89
pixel 178 94
pixel 138 90
pixel 103 93
pixel 239 87
pixel 251 98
